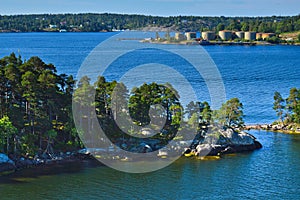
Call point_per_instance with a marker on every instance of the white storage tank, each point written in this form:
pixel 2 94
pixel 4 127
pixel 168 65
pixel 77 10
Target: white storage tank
pixel 225 35
pixel 250 35
pixel 190 35
pixel 208 35
pixel 240 34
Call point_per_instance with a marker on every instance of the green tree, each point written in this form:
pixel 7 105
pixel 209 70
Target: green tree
pixel 262 27
pixel 168 36
pixel 279 106
pixel 84 93
pixel 194 120
pixel 192 108
pixel 146 95
pixel 120 100
pixel 101 102
pixel 273 40
pixel 245 26
pixel 7 133
pixel 36 99
pixel 98 22
pixel 200 109
pixel 51 135
pixel 83 101
pixel 205 113
pixel 220 27
pixel 234 25
pixel 293 105
pixel 231 113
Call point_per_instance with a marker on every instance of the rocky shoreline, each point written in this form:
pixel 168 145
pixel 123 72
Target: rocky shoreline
pixel 224 141
pixel 217 142
pixel 12 163
pixel 287 129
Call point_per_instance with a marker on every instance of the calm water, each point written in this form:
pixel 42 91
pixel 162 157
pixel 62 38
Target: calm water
pixel 270 173
pixel 249 73
pixel 252 74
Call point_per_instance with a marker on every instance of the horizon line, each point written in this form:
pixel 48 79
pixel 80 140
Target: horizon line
pixel 151 15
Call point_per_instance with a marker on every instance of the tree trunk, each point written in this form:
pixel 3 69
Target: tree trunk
pixel 7 145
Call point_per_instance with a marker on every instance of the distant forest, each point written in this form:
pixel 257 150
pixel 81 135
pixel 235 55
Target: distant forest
pixel 109 22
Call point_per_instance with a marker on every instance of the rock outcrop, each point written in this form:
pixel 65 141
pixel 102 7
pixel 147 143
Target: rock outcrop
pixel 291 128
pixel 221 141
pixel 6 164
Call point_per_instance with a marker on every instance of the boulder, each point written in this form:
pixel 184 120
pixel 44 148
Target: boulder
pixel 235 138
pixel 5 159
pixel 222 141
pixel 204 149
pixel 6 164
pixel 143 148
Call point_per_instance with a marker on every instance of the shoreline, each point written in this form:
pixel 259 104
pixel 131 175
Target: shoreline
pixel 271 128
pixel 230 141
pixel 217 43
pixel 19 163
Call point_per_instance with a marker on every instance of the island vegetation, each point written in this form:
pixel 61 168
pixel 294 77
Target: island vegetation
pixel 36 121
pixel 288 111
pixel 281 29
pixel 92 22
pixel 35 106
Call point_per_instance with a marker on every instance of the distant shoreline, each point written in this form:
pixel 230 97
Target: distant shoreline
pixel 217 43
pixel 185 42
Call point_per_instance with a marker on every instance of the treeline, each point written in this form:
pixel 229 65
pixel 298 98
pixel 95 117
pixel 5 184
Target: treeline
pixel 108 22
pixel 36 108
pixel 288 109
pixel 114 103
pixel 120 111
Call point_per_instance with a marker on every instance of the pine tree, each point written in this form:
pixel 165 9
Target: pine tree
pixel 231 113
pixel 279 106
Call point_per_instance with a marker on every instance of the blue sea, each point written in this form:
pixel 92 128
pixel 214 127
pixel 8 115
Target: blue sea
pixel 251 73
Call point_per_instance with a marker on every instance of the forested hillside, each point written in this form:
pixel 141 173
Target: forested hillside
pixel 109 22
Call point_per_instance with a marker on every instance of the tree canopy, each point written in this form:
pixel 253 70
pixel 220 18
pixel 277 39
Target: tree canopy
pixel 36 108
pixel 36 100
pixel 231 113
pixel 288 109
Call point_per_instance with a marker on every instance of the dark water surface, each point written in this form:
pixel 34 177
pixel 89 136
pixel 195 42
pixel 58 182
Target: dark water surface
pixel 249 73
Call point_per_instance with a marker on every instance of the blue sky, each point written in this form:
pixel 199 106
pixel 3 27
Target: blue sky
pixel 155 7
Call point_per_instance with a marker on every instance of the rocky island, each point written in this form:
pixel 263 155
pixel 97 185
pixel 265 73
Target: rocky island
pixel 224 141
pixel 28 141
pixel 205 146
pixel 288 112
